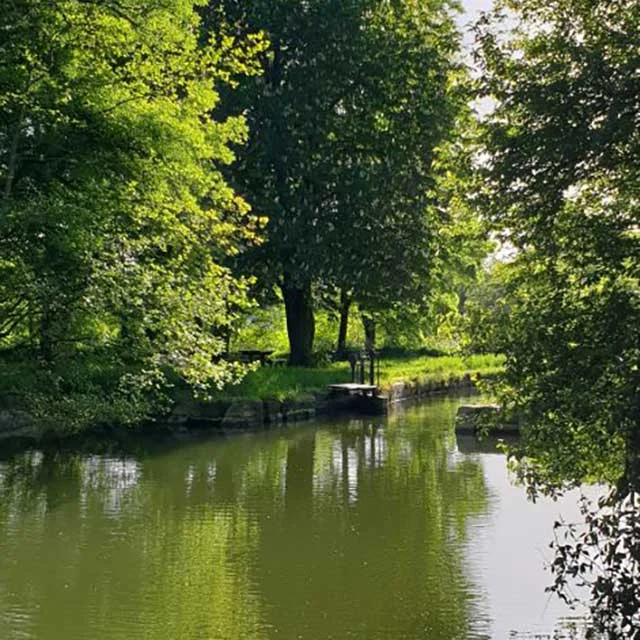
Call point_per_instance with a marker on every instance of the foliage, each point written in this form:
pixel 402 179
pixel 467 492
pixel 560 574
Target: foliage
pixel 265 328
pixel 115 217
pixel 567 200
pixel 79 392
pixel 345 128
pixel 604 556
pixel 488 303
pixel 463 242
pixel 562 184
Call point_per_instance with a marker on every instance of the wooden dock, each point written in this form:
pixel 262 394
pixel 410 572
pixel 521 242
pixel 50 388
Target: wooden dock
pixel 362 399
pixel 354 389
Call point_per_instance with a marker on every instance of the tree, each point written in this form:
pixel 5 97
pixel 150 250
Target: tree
pixel 115 217
pixel 563 184
pixel 344 125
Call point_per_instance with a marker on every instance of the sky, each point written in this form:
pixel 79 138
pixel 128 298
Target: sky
pixel 472 7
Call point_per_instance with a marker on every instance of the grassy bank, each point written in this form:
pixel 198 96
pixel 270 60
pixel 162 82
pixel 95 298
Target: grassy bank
pixel 78 393
pixel 83 395
pixel 283 383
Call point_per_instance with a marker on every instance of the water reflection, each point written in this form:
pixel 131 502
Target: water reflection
pixel 508 552
pixel 357 529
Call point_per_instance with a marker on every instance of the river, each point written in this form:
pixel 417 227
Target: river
pixel 384 528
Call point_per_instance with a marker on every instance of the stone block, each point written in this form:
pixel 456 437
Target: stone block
pixel 273 412
pixel 300 409
pixel 17 424
pixel 244 414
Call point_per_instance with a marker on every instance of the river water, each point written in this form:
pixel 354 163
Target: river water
pixel 384 528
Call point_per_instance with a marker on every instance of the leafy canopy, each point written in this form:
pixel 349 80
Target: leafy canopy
pixel 115 217
pixel 345 126
pixel 563 185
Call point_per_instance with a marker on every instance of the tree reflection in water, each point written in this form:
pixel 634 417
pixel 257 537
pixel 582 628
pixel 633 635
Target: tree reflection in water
pixel 349 529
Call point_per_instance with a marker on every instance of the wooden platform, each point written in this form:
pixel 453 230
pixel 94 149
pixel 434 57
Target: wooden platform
pixel 354 389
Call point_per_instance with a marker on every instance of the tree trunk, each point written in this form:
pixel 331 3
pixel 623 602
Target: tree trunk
pixel 369 325
pixel 345 305
pixel 300 322
pixel 462 301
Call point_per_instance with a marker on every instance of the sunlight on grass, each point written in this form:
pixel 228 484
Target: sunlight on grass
pixel 428 368
pixel 282 382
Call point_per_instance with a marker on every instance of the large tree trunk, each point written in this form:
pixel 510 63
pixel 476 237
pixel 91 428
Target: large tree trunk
pixel 345 305
pixel 298 305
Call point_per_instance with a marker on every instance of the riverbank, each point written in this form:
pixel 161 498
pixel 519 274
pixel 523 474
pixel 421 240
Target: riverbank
pixel 271 396
pixel 247 413
pixel 284 383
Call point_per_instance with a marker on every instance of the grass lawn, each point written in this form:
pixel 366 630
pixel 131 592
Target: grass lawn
pixel 88 385
pixel 283 382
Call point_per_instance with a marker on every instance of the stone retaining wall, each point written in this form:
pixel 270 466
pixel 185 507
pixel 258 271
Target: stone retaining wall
pixel 228 415
pixel 243 413
pixel 248 414
pixel 414 389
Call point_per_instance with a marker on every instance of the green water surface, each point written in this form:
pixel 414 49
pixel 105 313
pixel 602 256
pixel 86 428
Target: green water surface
pixel 355 529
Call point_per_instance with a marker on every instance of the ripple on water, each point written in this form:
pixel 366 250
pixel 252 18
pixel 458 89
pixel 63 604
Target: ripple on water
pixel 362 529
